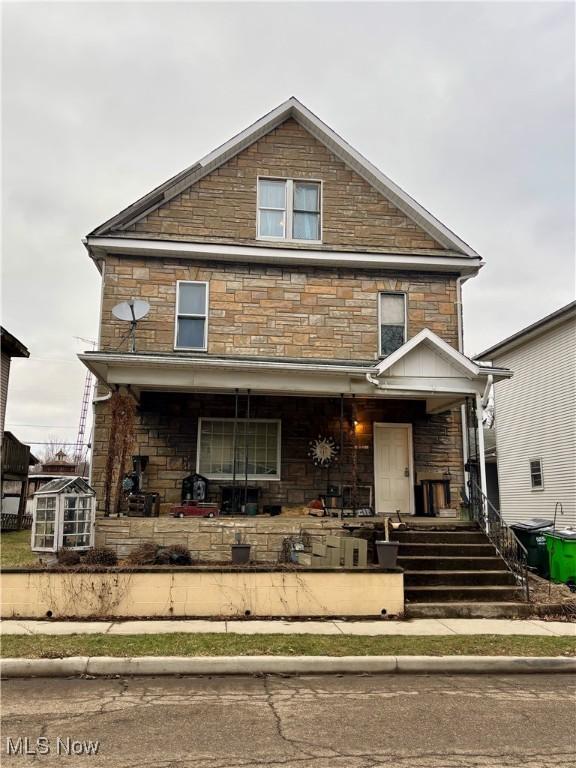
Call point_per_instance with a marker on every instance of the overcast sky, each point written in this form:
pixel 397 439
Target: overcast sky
pixel 467 106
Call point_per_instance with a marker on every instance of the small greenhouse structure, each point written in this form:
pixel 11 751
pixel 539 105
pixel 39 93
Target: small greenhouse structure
pixel 64 514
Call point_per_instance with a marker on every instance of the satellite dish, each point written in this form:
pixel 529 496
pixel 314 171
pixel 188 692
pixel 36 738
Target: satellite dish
pixel 132 310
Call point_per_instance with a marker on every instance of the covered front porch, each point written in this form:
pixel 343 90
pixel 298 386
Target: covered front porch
pixel 297 438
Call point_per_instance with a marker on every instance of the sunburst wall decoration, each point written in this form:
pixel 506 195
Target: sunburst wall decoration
pixel 323 451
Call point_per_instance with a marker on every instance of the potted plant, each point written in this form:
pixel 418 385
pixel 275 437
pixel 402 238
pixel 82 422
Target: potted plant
pixel 240 552
pixel 387 550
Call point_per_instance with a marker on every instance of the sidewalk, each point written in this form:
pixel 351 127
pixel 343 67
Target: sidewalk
pixel 421 627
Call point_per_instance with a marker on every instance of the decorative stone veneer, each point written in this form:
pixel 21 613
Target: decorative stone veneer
pixel 167 429
pixel 300 312
pixel 210 540
pixel 222 206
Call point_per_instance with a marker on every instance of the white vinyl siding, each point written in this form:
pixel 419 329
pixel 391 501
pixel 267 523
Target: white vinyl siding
pixel 536 419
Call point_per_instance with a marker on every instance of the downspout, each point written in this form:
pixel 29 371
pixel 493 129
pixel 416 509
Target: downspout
pixel 464 426
pixel 95 401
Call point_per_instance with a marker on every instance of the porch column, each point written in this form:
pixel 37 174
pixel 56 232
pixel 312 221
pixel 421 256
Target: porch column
pixel 481 460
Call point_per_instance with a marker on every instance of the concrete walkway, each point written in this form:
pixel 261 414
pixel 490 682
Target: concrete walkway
pixel 427 627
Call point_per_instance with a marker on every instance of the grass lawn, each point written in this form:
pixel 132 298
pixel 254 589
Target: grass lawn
pixel 15 549
pixel 181 644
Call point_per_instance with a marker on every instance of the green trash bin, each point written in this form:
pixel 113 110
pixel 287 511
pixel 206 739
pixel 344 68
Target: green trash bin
pixel 531 534
pixel 562 549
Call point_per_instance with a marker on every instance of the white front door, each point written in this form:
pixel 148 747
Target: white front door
pixel 393 468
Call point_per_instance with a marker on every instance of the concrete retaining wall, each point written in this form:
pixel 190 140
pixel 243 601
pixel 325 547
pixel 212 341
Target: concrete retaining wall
pixel 202 592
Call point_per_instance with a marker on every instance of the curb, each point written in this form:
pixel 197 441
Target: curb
pixel 99 666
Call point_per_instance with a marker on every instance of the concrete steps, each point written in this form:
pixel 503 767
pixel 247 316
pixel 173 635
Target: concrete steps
pixel 455 571
pixel 434 563
pixel 458 578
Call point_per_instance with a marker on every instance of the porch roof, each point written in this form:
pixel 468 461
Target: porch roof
pixel 441 387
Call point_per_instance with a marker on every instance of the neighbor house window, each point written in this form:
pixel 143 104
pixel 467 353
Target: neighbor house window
pixel 228 448
pixel 289 209
pixel 392 321
pixel 536 476
pixel 191 315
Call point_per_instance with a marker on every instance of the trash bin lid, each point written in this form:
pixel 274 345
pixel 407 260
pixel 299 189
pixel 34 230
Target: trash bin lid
pixel 532 524
pixel 563 533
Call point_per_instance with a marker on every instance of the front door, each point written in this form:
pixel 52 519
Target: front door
pixel 393 468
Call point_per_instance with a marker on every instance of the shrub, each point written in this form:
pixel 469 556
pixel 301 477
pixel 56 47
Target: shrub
pixel 144 554
pixel 68 556
pixel 175 554
pixel 101 556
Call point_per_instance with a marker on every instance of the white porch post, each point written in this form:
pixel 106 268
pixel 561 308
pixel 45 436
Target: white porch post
pixel 481 460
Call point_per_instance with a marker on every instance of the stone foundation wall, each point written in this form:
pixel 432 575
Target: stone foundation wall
pixel 210 540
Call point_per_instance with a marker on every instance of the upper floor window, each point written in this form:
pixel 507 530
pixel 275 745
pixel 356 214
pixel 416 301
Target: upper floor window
pixel 289 210
pixel 191 315
pixel 536 475
pixel 391 321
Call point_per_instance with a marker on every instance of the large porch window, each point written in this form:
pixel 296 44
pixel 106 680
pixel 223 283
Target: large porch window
pixel 229 448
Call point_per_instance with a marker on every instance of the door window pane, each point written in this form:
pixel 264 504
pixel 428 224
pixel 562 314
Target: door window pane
pixel 190 332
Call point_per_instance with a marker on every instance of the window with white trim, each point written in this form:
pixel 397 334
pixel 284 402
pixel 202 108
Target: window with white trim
pixel 536 475
pixel 229 447
pixel 289 209
pixel 392 322
pixel 191 315
pixel 45 522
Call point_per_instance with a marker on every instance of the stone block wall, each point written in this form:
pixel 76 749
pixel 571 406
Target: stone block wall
pixel 210 540
pixel 221 207
pixel 167 432
pixel 300 312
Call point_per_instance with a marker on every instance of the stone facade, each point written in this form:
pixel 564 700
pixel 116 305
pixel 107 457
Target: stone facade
pixel 210 540
pixel 167 432
pixel 283 312
pixel 221 207
pixel 290 312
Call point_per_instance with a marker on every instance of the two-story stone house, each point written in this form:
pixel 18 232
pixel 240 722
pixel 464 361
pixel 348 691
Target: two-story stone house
pixel 295 292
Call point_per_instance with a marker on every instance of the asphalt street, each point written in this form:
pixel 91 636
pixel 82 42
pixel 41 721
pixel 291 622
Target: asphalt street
pixel 313 722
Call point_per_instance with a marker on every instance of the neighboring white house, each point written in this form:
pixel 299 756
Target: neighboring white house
pixel 535 417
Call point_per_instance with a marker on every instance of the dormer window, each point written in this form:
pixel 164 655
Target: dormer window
pixel 289 209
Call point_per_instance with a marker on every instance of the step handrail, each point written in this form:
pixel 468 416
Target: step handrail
pixel 507 544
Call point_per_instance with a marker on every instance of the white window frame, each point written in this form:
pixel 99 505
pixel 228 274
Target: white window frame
pixel 240 473
pixel 391 293
pixel 204 317
pixel 289 210
pixel 59 522
pixel 532 486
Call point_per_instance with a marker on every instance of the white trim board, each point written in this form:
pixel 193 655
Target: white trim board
pixel 291 108
pixel 452 262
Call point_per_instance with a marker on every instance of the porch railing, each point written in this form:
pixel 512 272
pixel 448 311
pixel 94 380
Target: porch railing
pixel 509 547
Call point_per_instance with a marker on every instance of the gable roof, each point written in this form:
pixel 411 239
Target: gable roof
pixel 294 109
pixel 531 331
pixel 74 484
pixel 428 338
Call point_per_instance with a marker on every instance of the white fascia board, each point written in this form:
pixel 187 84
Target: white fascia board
pixel 426 336
pixel 230 365
pixel 98 247
pixel 329 138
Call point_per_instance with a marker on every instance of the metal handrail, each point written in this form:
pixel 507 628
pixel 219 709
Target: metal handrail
pixel 507 544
